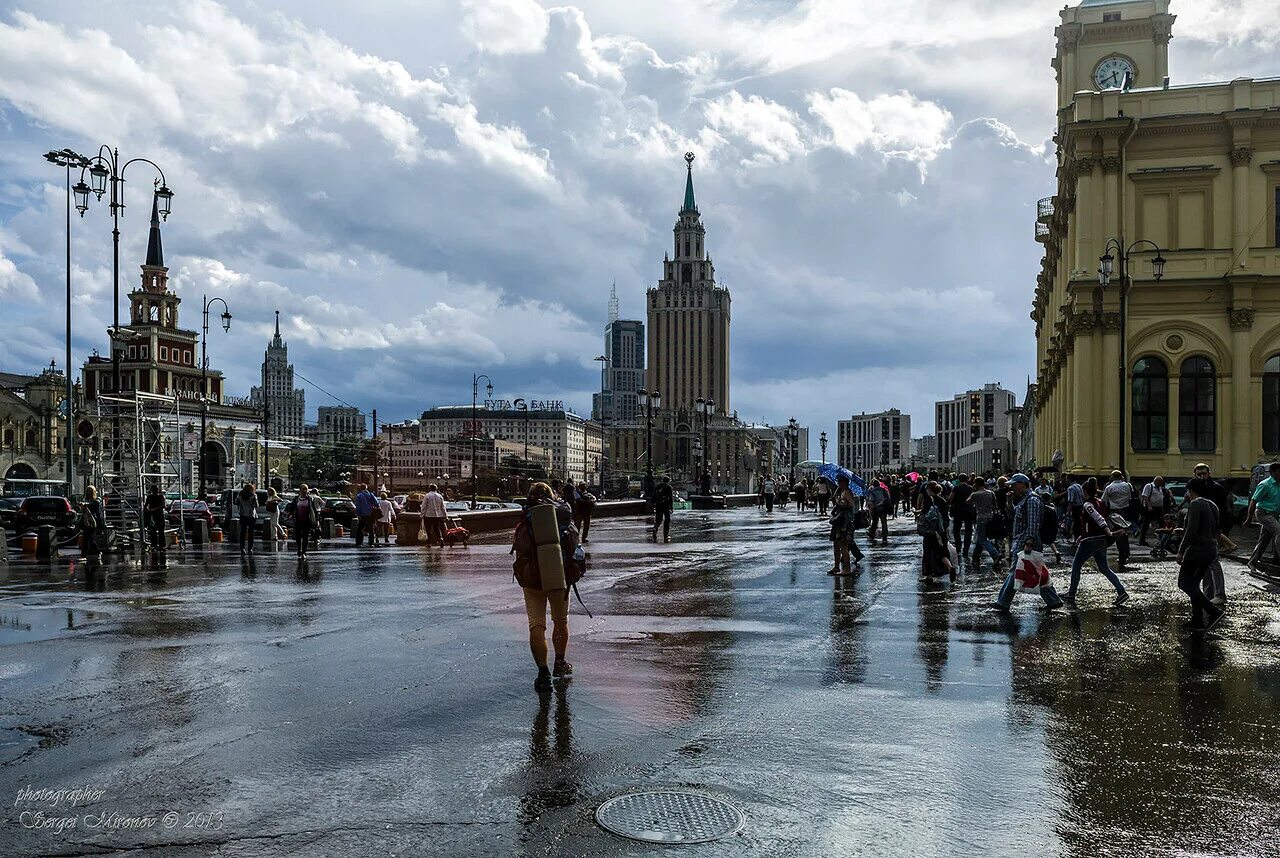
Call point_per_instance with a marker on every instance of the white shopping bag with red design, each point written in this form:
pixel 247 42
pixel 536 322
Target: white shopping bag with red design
pixel 1031 572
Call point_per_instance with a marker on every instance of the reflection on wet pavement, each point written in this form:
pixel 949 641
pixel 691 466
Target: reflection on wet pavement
pixel 382 699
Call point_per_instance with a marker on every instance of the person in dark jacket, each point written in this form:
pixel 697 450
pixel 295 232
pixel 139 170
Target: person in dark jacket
pixel 91 522
pixel 154 512
pixel 247 507
pixel 1215 586
pixel 664 501
pixel 1199 548
pixel 304 509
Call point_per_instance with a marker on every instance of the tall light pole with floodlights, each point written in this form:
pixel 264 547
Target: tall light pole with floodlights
pixel 822 442
pixel 1106 268
pixel 67 159
pixel 207 302
pixel 106 172
pixel 475 424
pixel 649 400
pixel 604 424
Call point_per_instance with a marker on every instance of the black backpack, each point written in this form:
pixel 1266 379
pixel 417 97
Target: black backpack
pixel 1048 523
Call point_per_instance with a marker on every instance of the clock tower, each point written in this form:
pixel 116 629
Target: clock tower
pixel 1101 42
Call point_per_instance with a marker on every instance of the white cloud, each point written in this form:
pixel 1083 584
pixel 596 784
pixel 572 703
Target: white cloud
pixel 16 284
pixel 505 26
pixel 770 129
pixel 897 125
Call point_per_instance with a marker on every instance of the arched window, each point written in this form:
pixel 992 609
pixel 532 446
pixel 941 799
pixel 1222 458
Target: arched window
pixel 1197 403
pixel 1150 405
pixel 1271 404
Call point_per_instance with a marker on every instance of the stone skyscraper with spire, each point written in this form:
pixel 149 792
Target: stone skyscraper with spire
pixel 286 406
pixel 689 318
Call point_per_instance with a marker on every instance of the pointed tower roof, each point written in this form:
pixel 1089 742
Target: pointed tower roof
pixel 155 251
pixel 275 341
pixel 689 204
pixel 613 303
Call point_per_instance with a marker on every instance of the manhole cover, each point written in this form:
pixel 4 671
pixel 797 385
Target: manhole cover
pixel 669 816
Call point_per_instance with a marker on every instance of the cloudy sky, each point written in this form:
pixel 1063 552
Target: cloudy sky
pixel 425 189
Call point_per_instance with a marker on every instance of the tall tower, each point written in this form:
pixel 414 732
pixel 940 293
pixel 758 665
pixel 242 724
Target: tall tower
pixel 1100 41
pixel 286 407
pixel 689 318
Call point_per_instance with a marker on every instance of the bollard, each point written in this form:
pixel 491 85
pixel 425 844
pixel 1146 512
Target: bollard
pixel 29 542
pixel 339 531
pixel 4 546
pixel 215 535
pixel 46 541
pixel 199 532
pixel 326 527
pixel 233 529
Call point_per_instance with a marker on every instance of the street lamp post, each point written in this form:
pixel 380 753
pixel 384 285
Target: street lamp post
pixel 67 159
pixel 822 442
pixel 705 408
pixel 1105 270
pixel 523 407
pixel 475 421
pixel 793 436
pixel 650 401
pixel 207 302
pixel 604 423
pixel 106 168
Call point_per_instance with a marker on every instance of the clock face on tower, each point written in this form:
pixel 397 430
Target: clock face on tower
pixel 1110 73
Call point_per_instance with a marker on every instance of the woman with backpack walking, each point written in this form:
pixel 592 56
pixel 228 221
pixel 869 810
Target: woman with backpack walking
pixel 530 577
pixel 934 526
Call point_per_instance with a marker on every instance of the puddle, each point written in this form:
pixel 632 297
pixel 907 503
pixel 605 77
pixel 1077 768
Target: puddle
pixel 15 743
pixel 26 623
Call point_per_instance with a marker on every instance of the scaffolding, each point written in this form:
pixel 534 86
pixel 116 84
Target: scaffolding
pixel 149 449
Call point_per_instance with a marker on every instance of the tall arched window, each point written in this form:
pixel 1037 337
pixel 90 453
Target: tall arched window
pixel 1271 404
pixel 1197 404
pixel 1150 405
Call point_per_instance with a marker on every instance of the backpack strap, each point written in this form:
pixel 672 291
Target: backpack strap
pixel 582 603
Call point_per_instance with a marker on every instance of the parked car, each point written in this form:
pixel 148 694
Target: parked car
pixel 340 509
pixel 50 509
pixel 185 513
pixel 230 510
pixel 457 506
pixel 9 513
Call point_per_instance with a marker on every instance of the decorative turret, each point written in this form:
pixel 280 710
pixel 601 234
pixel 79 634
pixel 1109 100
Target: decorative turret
pixel 689 232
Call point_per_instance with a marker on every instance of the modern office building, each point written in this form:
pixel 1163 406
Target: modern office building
pixel 866 443
pixel 969 417
pixel 624 372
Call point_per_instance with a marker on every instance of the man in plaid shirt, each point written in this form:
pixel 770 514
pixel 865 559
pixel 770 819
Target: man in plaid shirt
pixel 1028 511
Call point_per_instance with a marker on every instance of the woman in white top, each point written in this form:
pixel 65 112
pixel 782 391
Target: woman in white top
pixel 388 517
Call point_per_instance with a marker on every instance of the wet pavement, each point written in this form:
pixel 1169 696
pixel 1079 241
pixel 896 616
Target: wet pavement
pixel 382 701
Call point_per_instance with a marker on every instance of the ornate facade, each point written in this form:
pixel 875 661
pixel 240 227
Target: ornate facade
pixel 1195 172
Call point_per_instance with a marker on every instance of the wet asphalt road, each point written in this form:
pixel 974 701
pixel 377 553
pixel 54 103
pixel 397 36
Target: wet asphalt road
pixel 381 702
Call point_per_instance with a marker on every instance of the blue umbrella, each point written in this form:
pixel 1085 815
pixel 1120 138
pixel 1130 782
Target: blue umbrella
pixel 831 472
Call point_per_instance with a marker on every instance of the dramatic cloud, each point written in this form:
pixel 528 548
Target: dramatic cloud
pixel 430 190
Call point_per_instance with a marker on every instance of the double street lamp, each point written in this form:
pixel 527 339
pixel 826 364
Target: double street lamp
pixel 67 159
pixel 793 434
pixel 106 172
pixel 206 303
pixel 1106 268
pixel 706 407
pixel 649 400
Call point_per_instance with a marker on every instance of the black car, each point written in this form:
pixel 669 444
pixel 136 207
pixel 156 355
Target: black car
pixel 9 513
pixel 39 510
pixel 340 509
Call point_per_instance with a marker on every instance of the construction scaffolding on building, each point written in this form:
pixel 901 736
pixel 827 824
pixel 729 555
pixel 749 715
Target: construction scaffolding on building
pixel 154 447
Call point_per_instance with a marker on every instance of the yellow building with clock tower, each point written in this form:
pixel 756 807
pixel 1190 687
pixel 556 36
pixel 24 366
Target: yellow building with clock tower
pixel 1157 304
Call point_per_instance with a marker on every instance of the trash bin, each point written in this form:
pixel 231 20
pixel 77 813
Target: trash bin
pixel 46 540
pixel 29 542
